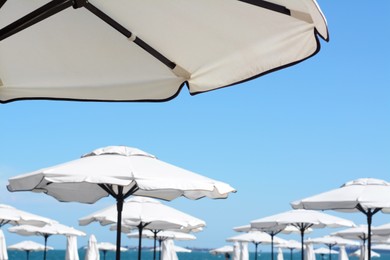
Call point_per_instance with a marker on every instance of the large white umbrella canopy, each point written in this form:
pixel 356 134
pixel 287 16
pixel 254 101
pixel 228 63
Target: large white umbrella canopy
pixel 302 219
pixel 29 246
pixel 142 212
pixel 14 216
pixel 3 247
pixel 119 171
pixel 382 230
pixel 366 195
pixel 136 60
pixel 357 233
pixel 256 237
pixel 46 231
pixel 162 235
pixel 358 253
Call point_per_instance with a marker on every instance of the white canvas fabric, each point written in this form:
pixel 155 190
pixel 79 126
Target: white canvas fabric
pixel 79 180
pixel 222 250
pixel 109 247
pixel 333 241
pixel 244 253
pixel 71 252
pixel 75 55
pixel 343 253
pixel 3 247
pixel 29 246
pixel 145 210
pixel 324 251
pixel 168 250
pixel 162 235
pixel 92 252
pixel 309 252
pixel 13 216
pixel 280 254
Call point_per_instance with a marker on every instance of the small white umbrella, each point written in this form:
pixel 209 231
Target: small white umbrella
pixel 92 252
pixel 29 246
pixel 222 250
pixel 291 245
pixel 178 249
pixel 280 254
pixel 45 231
pixel 129 59
pixel 71 248
pixel 141 213
pixel 302 219
pixel 3 247
pixel 324 251
pixel 256 237
pixel 236 251
pixel 342 253
pixel 366 195
pixel 357 233
pixel 331 241
pixel 14 216
pixel 168 250
pixel 309 252
pixel 118 171
pixel 358 253
pixel 106 246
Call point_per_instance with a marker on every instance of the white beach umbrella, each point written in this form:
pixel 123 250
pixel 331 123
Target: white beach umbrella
pixel 46 231
pixel 302 219
pixel 71 252
pixel 29 246
pixel 236 251
pixel 280 254
pixel 106 246
pixel 92 252
pixel 168 250
pixel 222 250
pixel 291 245
pixel 331 241
pixel 130 59
pixel 118 171
pixel 356 233
pixel 382 230
pixel 342 253
pixel 142 212
pixel 366 195
pixel 309 252
pixel 14 216
pixel 256 237
pixel 178 249
pixel 364 256
pixel 324 251
pixel 272 231
pixel 3 247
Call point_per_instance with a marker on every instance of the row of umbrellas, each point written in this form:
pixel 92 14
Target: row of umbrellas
pixel 365 195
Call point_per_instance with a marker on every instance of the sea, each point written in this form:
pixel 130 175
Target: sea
pixel 132 255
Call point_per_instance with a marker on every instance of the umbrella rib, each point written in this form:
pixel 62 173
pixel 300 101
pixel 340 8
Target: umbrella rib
pixel 93 9
pixel 268 5
pixel 34 17
pixel 2 2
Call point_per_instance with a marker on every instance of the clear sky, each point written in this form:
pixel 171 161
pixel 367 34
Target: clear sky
pixel 285 136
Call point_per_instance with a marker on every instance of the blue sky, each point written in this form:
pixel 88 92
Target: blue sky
pixel 285 136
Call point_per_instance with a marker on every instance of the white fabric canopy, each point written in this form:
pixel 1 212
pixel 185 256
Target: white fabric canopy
pixel 75 55
pixel 342 253
pixel 280 254
pixel 13 216
pixel 222 250
pixel 324 251
pixel 29 246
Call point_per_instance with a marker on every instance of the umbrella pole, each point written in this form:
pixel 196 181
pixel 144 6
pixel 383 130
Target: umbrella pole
pixel 119 208
pixel 330 250
pixel 28 254
pixel 302 249
pixel 140 228
pixel 272 246
pixel 369 213
pixel 291 250
pixel 256 244
pixel 159 254
pixel 44 252
pixel 155 241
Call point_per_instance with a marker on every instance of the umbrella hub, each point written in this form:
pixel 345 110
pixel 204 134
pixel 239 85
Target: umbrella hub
pixel 79 3
pixel 118 150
